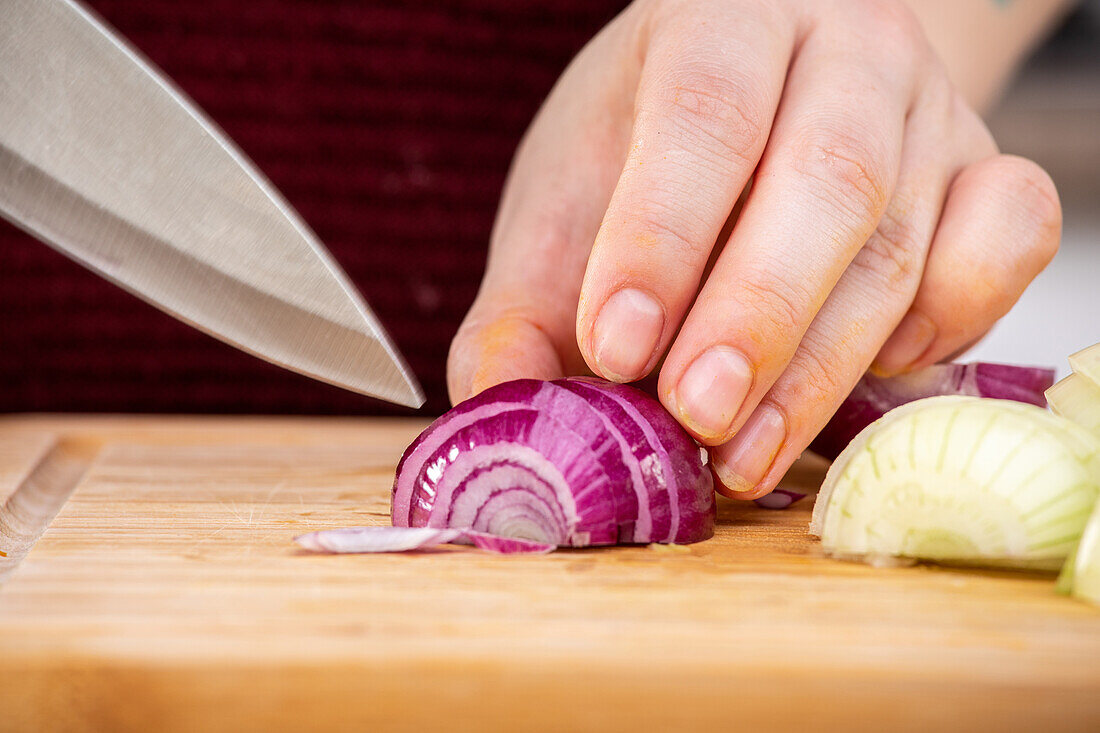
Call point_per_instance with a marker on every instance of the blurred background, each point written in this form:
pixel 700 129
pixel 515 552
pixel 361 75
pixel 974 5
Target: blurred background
pixel 1051 114
pixel 390 126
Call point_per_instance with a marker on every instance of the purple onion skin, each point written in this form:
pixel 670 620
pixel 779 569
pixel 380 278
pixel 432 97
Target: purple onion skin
pixel 779 499
pixel 573 462
pixel 874 396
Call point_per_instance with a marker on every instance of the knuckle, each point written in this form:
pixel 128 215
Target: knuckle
pixel 901 27
pixel 810 385
pixel 892 254
pixel 845 172
pixel 671 226
pixel 777 310
pixel 717 108
pixel 894 26
pixel 974 138
pixel 820 380
pixel 938 100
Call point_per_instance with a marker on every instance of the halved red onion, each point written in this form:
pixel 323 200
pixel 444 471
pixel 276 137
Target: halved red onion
pixel 574 462
pixel 874 396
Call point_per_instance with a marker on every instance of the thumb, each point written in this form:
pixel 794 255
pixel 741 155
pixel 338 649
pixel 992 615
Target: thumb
pixel 496 348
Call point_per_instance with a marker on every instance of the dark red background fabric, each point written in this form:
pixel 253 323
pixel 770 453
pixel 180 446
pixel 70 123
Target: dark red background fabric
pixel 388 125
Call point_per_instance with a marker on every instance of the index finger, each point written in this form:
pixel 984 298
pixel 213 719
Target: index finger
pixel 707 94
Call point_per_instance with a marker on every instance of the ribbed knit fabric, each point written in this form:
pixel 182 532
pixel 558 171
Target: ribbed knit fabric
pixel 388 125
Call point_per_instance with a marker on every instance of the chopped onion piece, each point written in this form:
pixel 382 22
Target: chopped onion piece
pixel 874 396
pixel 1077 399
pixel 962 480
pixel 1081 575
pixel 1087 363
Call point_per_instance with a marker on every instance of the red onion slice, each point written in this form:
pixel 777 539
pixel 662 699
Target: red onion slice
pixel 874 396
pixel 779 499
pixel 403 539
pixel 376 539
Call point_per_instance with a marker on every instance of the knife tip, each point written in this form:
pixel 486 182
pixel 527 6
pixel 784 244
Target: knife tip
pixel 414 398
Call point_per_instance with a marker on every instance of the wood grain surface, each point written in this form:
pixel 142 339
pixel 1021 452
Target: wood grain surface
pixel 166 595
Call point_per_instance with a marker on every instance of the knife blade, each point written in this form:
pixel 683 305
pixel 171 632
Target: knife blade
pixel 102 158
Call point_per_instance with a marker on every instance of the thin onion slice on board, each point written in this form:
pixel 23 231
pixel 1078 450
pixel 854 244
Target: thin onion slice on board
pixel 779 499
pixel 961 480
pixel 575 462
pixel 1076 398
pixel 874 396
pixel 400 539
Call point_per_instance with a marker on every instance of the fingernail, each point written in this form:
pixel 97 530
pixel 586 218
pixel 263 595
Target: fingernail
pixel 742 463
pixel 909 342
pixel 712 390
pixel 626 334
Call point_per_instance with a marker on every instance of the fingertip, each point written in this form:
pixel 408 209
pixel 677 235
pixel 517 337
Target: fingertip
pixel 1012 197
pixel 626 336
pixel 732 486
pixel 1037 194
pixel 743 465
pixel 729 485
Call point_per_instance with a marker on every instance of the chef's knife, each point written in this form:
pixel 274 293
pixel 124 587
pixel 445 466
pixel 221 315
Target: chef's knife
pixel 104 159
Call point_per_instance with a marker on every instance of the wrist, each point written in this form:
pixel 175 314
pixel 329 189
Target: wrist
pixel 981 42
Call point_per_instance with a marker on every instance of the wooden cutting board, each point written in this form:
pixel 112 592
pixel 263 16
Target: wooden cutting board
pixel 166 595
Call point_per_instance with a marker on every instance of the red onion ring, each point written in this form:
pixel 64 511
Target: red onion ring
pixel 874 396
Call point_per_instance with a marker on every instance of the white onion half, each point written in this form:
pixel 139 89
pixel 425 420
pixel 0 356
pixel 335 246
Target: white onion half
pixel 962 480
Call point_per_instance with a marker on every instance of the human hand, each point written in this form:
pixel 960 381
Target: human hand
pixel 881 226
